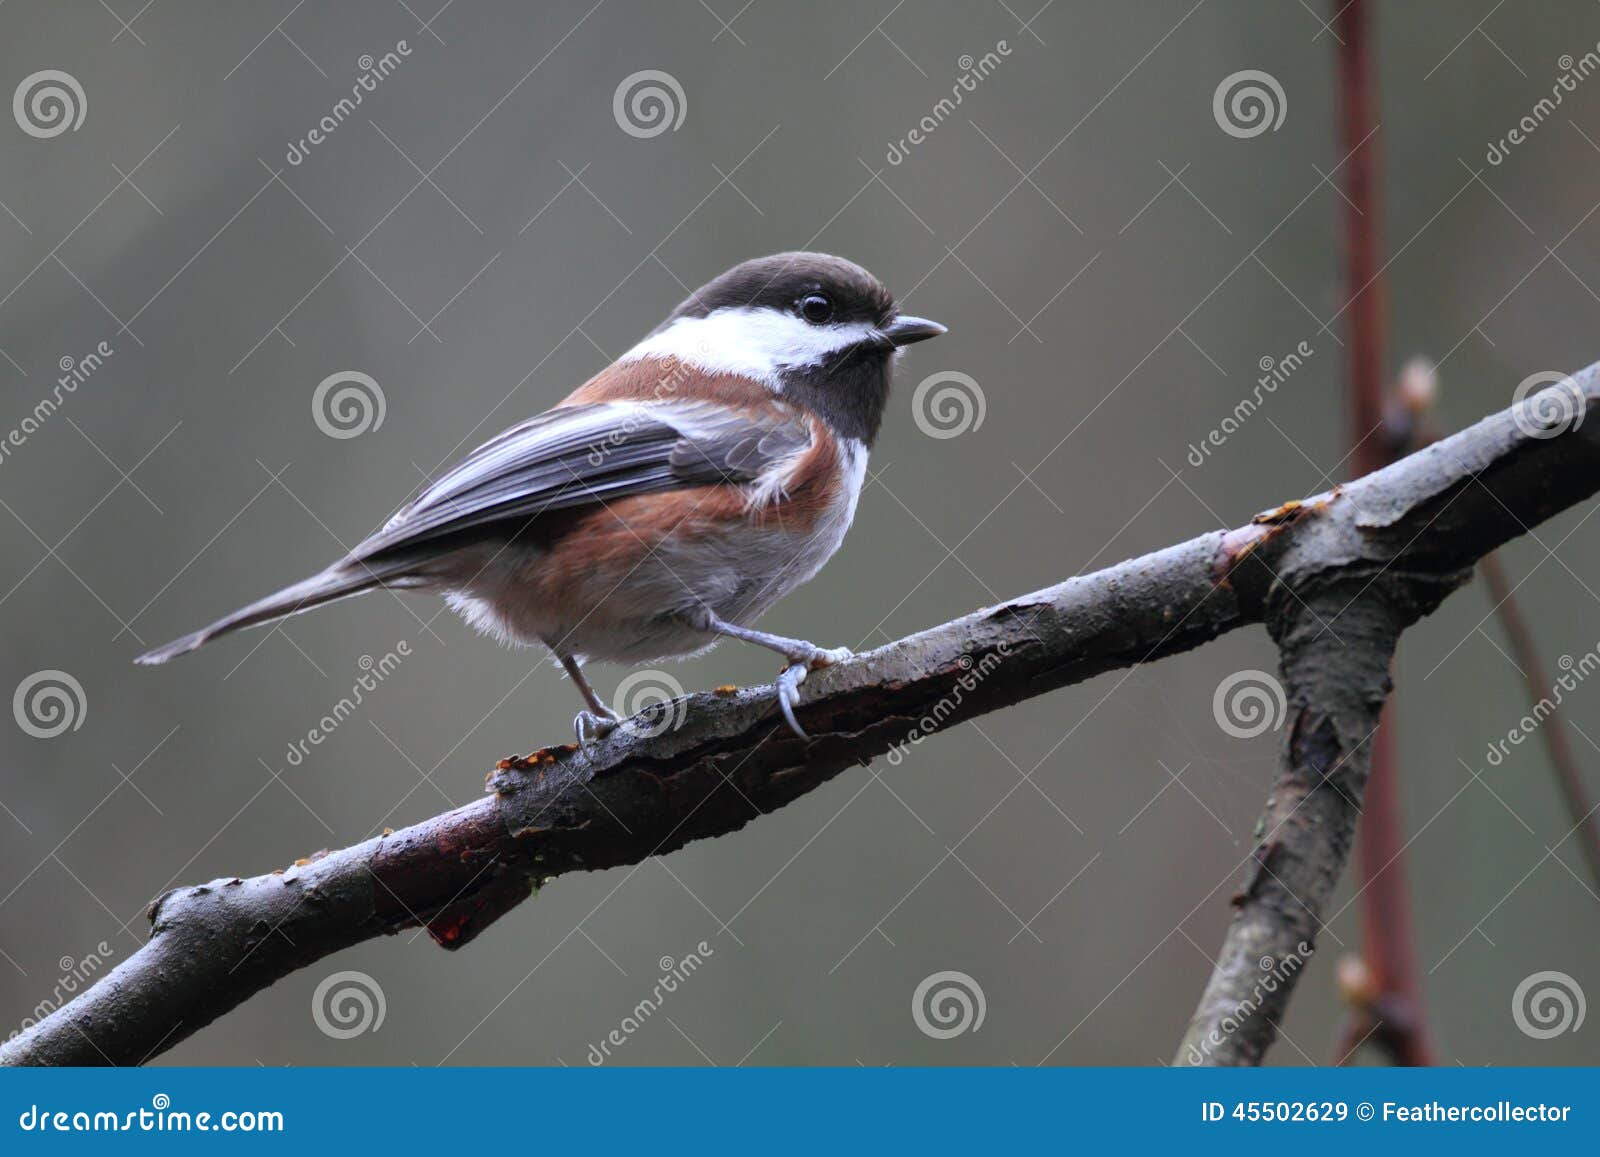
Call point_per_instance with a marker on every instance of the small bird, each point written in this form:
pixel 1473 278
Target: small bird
pixel 668 501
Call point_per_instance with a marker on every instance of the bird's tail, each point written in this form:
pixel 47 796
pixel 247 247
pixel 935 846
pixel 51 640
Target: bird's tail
pixel 333 583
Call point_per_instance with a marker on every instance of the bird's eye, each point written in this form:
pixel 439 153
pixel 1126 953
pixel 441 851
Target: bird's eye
pixel 816 309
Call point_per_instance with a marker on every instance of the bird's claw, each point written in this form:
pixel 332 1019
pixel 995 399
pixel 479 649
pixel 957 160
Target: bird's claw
pixel 795 674
pixel 789 694
pixel 592 726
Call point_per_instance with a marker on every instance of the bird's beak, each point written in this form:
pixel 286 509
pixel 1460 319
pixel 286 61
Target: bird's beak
pixel 905 329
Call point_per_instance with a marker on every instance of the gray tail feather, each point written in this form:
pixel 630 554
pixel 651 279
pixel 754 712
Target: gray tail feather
pixel 321 588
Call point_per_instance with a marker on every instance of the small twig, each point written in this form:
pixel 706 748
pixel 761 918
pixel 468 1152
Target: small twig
pixel 1569 777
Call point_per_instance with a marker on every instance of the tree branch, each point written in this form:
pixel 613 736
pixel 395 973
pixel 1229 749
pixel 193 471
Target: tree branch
pixel 1363 560
pixel 1336 693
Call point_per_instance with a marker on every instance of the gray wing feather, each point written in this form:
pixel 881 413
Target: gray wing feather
pixel 577 455
pixel 568 457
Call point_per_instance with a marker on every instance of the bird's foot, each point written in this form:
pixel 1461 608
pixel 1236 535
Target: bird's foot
pixel 592 726
pixel 795 674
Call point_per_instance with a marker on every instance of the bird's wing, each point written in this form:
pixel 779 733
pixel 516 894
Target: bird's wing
pixel 598 452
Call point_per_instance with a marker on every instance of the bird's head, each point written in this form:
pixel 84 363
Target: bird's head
pixel 817 329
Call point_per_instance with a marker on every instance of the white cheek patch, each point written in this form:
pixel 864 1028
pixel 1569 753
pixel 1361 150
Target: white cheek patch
pixel 758 343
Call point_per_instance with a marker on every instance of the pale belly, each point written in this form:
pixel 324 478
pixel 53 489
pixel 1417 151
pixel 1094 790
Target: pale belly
pixel 637 614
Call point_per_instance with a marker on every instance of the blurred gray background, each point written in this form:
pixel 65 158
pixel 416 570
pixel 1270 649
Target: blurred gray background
pixel 482 234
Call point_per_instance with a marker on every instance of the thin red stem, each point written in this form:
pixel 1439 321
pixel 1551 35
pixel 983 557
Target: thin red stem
pixel 1396 1007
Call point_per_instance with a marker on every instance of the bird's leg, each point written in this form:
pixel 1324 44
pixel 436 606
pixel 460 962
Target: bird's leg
pixel 599 720
pixel 802 657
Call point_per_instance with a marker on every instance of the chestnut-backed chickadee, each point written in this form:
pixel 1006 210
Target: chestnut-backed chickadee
pixel 668 501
